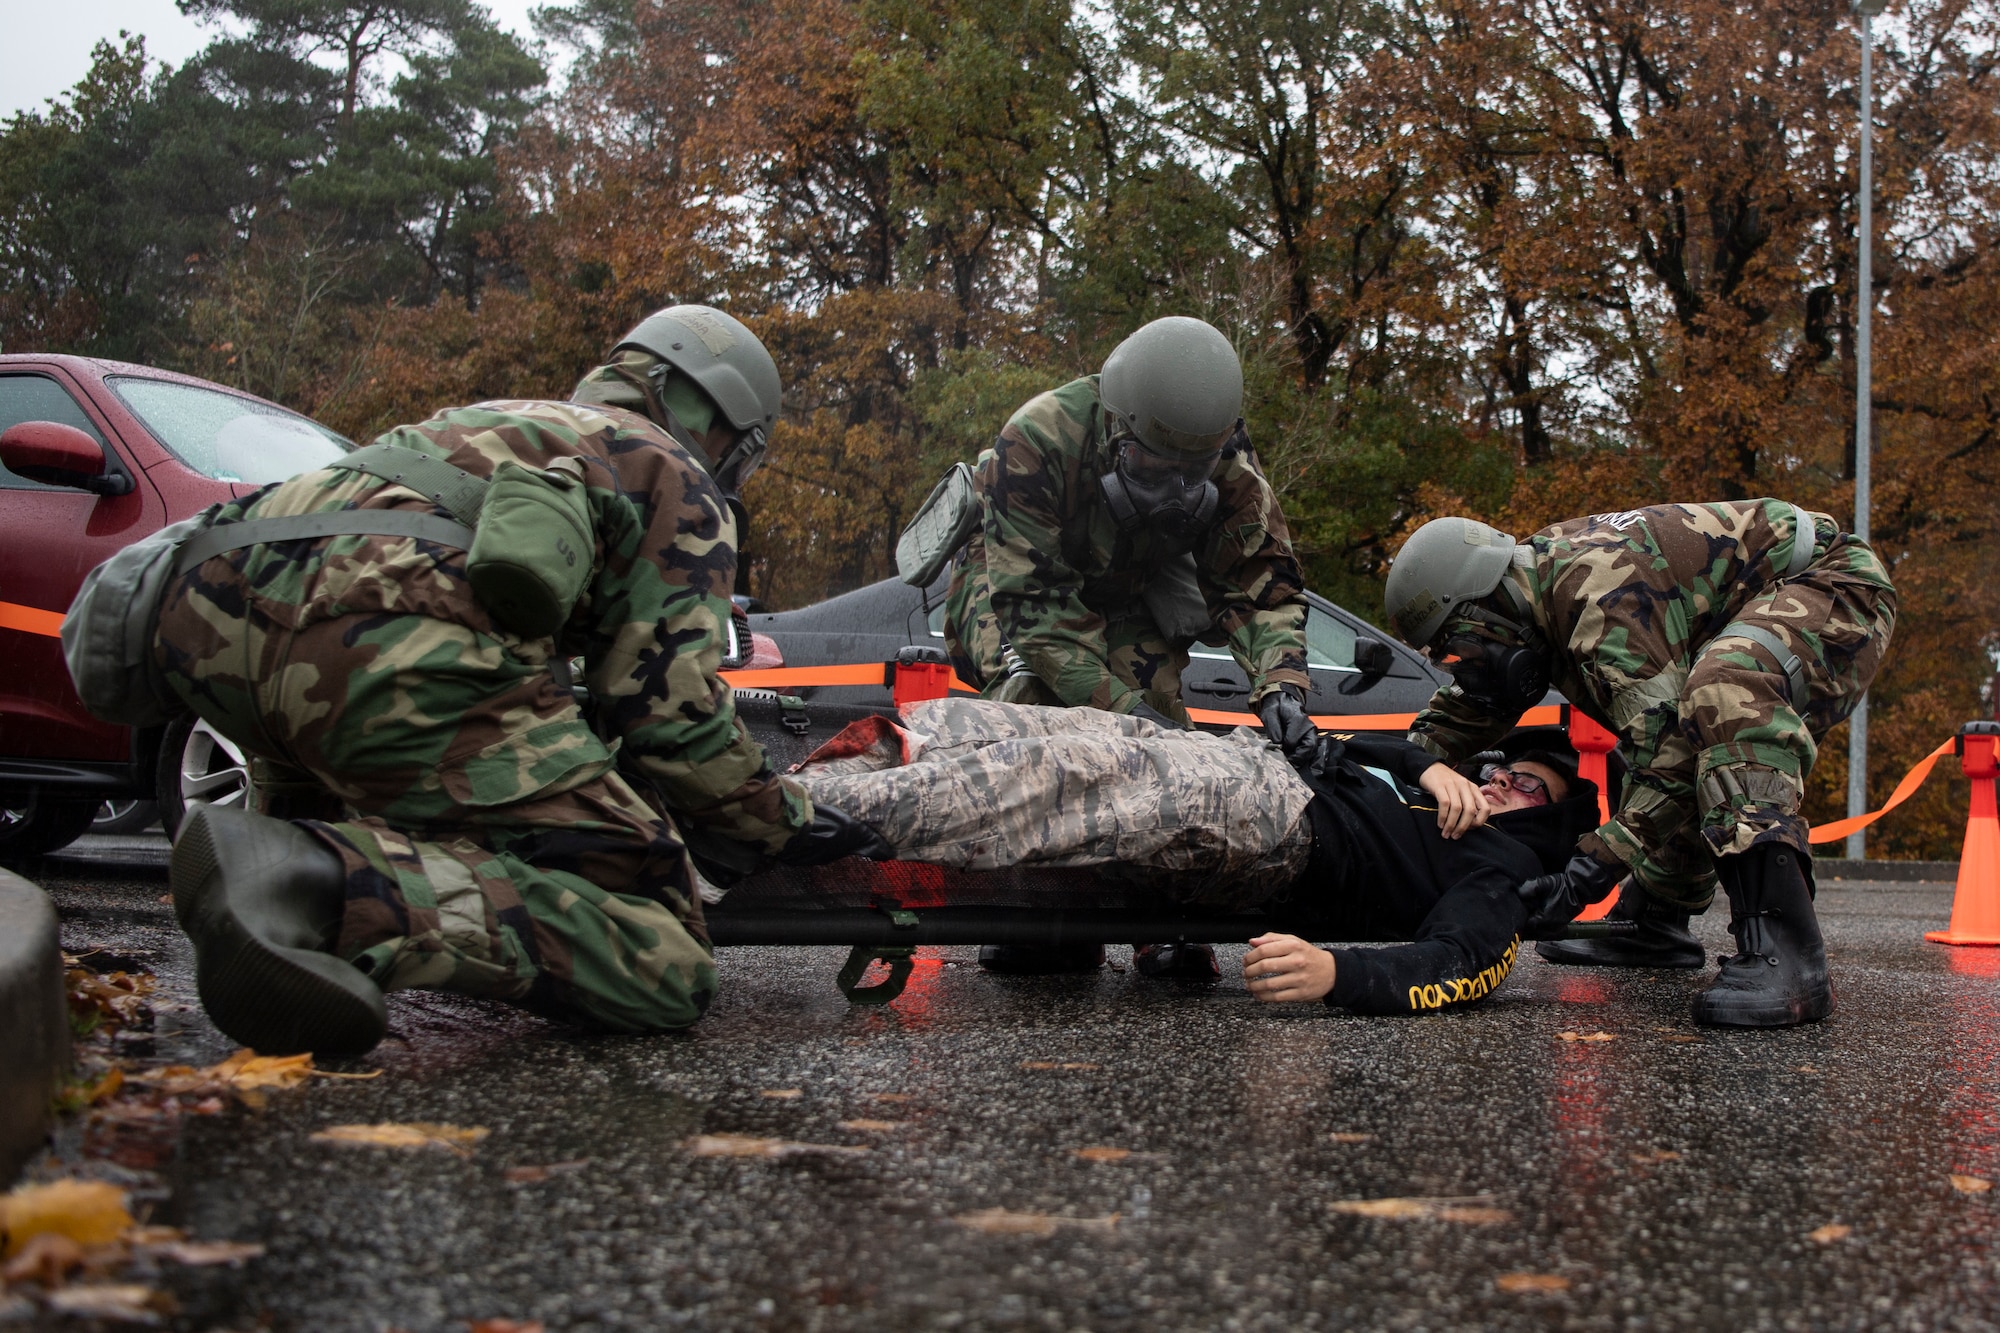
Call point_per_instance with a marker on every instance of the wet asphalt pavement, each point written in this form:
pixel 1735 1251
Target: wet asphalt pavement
pixel 1671 1177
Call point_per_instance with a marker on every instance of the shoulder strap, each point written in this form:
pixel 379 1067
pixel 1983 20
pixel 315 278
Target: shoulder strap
pixel 1805 542
pixel 333 523
pixel 455 490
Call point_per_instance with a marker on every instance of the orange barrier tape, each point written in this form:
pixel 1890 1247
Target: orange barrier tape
pixel 31 619
pixel 1912 780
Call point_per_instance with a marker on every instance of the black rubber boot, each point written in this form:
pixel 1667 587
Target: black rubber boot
pixel 1662 940
pixel 1040 960
pixel 1777 977
pixel 262 901
pixel 1178 962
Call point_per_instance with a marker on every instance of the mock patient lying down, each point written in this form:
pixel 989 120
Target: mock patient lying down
pixel 1377 840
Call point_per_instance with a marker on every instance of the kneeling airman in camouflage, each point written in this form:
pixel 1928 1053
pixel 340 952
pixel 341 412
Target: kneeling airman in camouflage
pixel 1721 642
pixel 1122 516
pixel 499 839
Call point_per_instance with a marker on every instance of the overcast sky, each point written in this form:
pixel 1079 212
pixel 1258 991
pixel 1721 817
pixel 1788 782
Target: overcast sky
pixel 47 46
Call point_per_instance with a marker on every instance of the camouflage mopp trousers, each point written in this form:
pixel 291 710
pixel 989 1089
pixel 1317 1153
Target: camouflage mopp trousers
pixel 1213 821
pixel 491 847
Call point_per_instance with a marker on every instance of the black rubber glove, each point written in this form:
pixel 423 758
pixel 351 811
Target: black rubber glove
pixel 833 834
pixel 1286 722
pixel 1155 716
pixel 1553 901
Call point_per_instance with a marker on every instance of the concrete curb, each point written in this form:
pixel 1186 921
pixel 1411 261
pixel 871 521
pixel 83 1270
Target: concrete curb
pixel 34 1038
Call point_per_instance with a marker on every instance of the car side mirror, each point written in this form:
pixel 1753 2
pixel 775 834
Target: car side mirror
pixel 1372 657
pixel 49 451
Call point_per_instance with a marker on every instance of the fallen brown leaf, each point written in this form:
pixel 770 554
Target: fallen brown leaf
pixel 1003 1222
pixel 416 1134
pixel 503 1326
pixel 1657 1155
pixel 892 1097
pixel 782 1094
pixel 330 1073
pixel 1531 1282
pixel 1971 1184
pixel 528 1175
pixel 1104 1154
pixel 1586 1036
pixel 1829 1233
pixel 1806 1069
pixel 128 1303
pixel 206 1253
pixel 1470 1212
pixel 749 1145
pixel 46 1259
pixel 1383 1207
pixel 1344 1137
pixel 869 1125
pixel 89 1212
pixel 245 1074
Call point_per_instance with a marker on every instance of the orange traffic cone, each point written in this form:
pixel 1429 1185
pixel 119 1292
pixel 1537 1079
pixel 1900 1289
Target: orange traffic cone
pixel 1975 911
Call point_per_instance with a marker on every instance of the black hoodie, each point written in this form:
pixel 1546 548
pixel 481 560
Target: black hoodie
pixel 1380 870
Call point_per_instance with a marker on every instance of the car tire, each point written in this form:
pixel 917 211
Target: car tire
pixel 125 815
pixel 33 822
pixel 199 766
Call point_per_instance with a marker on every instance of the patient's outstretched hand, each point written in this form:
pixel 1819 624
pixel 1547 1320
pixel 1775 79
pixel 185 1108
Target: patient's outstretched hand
pixel 1284 969
pixel 1460 806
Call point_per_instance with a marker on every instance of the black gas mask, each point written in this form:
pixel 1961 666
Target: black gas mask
pixel 738 461
pixel 1161 493
pixel 1504 675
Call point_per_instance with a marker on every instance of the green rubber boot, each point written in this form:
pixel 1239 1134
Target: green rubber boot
pixel 262 900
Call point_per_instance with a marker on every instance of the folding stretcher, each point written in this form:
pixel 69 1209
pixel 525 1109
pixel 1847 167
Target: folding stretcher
pixel 885 910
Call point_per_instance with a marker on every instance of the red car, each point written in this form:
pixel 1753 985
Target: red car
pixel 95 455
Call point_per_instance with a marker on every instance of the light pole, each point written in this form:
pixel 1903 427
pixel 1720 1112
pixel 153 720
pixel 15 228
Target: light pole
pixel 1864 302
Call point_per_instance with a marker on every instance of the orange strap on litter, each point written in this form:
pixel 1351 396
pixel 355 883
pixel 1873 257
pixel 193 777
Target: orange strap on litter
pixel 31 619
pixel 1912 780
pixel 865 673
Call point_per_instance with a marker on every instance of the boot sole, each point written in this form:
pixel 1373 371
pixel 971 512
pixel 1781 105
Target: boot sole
pixel 273 999
pixel 1577 953
pixel 1811 1010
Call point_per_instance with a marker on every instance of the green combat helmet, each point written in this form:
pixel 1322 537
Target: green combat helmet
pixel 1173 392
pixel 1436 586
pixel 703 366
pixel 1446 564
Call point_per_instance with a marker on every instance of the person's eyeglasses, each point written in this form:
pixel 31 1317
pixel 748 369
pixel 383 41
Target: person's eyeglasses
pixel 1526 783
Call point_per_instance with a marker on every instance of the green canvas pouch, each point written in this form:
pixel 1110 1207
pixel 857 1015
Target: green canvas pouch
pixel 532 554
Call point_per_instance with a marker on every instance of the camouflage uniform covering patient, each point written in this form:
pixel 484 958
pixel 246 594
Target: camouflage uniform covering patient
pixel 1213 820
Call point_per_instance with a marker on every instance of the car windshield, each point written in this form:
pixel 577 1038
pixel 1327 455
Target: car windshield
pixel 228 438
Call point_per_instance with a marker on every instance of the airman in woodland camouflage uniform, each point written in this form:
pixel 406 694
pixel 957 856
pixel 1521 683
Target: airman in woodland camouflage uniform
pixel 1721 642
pixel 1107 505
pixel 1052 575
pixel 499 840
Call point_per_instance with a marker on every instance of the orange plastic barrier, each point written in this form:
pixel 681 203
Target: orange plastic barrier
pixel 1975 908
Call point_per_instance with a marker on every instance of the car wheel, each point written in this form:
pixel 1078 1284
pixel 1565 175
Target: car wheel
pixel 199 766
pixel 125 816
pixel 33 822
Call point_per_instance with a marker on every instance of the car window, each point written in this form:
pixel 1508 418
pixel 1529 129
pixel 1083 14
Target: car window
pixel 225 437
pixel 1329 641
pixel 38 398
